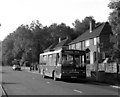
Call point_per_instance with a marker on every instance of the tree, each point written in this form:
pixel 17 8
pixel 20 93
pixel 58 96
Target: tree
pixel 7 46
pixel 28 41
pixel 81 27
pixel 114 20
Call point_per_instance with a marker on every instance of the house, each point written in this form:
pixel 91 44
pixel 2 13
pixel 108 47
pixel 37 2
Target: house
pixel 61 44
pixel 96 39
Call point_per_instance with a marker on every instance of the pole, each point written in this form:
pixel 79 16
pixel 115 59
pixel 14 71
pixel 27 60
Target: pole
pixel 97 61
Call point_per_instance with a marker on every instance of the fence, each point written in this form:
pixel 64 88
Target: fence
pixel 107 72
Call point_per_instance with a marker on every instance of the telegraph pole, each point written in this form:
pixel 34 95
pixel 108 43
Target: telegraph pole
pixel 97 55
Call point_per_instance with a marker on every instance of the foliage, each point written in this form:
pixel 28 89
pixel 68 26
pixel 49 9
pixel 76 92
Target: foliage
pixel 28 41
pixel 81 27
pixel 114 17
pixel 114 20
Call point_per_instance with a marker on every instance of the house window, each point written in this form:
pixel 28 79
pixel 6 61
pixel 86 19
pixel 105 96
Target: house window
pixel 78 46
pixel 87 43
pixel 70 46
pixel 92 41
pixel 73 46
pixel 95 41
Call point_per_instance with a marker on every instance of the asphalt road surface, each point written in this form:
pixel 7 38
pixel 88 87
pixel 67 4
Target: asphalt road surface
pixel 28 83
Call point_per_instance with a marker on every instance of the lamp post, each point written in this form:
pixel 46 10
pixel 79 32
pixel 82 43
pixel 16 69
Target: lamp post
pixel 30 59
pixel 97 57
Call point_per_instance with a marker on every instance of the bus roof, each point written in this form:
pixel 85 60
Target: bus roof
pixel 51 52
pixel 65 51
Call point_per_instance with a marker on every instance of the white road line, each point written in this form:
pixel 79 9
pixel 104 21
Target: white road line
pixel 47 82
pixel 77 91
pixel 117 87
pixel 35 72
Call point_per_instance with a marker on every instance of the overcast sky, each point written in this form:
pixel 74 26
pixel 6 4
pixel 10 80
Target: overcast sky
pixel 13 13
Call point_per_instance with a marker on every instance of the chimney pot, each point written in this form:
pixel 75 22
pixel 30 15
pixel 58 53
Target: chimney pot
pixel 92 25
pixel 59 40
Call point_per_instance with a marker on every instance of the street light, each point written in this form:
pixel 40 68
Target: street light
pixel 30 59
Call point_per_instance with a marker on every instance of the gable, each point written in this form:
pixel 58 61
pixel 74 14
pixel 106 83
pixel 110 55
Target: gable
pixel 95 33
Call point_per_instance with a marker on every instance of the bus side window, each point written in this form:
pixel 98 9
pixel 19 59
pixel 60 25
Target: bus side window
pixel 64 59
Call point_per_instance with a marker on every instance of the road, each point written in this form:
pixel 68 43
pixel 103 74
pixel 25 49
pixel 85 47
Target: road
pixel 28 83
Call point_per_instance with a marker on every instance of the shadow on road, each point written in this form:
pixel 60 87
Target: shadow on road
pixel 4 83
pixel 3 72
pixel 88 82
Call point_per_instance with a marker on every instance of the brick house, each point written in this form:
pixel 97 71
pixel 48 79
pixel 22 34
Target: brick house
pixel 96 39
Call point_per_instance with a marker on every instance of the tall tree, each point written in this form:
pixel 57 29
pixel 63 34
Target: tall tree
pixel 114 20
pixel 81 26
pixel 7 46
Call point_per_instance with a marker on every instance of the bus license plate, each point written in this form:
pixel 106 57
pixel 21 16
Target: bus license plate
pixel 73 77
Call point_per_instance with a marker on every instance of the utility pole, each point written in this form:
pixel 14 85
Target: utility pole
pixel 97 57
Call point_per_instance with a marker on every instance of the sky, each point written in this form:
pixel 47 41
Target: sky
pixel 13 13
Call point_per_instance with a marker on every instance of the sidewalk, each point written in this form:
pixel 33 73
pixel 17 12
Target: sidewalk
pixel 25 68
pixel 28 69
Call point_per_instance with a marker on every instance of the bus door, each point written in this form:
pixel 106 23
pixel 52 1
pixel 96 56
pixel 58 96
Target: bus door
pixel 58 65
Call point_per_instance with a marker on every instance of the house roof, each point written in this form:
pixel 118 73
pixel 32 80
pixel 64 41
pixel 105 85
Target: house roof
pixel 58 44
pixel 62 43
pixel 87 35
pixel 51 47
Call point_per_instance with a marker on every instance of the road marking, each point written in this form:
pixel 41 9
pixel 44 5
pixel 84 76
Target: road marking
pixel 115 87
pixel 35 72
pixel 77 91
pixel 47 82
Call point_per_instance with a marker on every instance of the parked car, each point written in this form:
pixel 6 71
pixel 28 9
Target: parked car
pixel 16 67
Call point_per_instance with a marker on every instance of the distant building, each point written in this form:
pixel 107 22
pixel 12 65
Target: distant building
pixel 96 39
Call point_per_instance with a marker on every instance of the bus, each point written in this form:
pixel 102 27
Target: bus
pixel 63 64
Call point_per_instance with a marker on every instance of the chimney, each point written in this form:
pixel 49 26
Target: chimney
pixel 59 39
pixel 92 25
